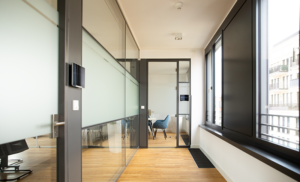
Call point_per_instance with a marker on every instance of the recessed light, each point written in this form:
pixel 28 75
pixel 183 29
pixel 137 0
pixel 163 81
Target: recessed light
pixel 178 5
pixel 178 36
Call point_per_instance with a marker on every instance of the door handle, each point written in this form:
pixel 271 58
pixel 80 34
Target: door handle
pixel 55 124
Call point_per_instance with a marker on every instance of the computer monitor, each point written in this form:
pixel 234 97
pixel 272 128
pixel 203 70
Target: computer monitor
pixel 10 149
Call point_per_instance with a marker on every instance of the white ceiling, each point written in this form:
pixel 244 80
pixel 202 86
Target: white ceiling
pixel 153 22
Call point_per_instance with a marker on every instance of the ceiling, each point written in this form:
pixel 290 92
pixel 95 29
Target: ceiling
pixel 154 22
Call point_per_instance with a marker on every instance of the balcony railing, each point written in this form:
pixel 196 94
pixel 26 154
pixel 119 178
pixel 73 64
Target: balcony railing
pixel 293 106
pixel 294 83
pixel 280 129
pixel 295 63
pixel 277 87
pixel 279 68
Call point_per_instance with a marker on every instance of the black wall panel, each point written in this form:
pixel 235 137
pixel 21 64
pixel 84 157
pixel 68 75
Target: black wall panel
pixel 237 73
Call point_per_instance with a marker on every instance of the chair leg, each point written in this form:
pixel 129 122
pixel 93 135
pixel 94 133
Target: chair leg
pixel 155 133
pixel 165 134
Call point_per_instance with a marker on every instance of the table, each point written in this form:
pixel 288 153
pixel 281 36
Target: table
pixel 153 120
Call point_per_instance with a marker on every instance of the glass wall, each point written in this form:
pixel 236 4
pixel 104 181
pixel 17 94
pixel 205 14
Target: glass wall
pixel 279 73
pixel 110 100
pixel 104 20
pixel 29 44
pixel 132 54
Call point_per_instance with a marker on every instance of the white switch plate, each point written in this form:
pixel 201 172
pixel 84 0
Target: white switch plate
pixel 75 105
pixel 142 107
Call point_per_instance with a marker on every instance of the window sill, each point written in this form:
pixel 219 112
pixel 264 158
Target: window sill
pixel 288 168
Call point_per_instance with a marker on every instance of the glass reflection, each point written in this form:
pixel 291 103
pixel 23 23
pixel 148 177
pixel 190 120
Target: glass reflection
pixel 184 130
pixel 103 151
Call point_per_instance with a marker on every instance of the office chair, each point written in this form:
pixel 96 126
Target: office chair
pixel 162 124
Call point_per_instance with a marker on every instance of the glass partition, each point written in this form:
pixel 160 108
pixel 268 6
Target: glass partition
pixel 184 71
pixel 29 60
pixel 103 151
pixel 103 99
pixel 184 130
pixel 132 54
pixel 104 20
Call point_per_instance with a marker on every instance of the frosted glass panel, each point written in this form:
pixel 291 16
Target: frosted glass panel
pixel 132 96
pixel 29 68
pixel 103 98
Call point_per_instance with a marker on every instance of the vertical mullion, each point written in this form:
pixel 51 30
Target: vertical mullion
pixel 177 104
pixel 213 81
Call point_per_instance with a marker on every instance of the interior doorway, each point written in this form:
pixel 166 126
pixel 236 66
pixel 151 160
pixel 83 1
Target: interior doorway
pixel 169 103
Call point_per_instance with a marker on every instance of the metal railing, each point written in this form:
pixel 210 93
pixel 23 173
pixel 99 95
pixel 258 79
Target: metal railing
pixel 280 129
pixel 279 68
pixel 295 63
pixel 293 106
pixel 277 86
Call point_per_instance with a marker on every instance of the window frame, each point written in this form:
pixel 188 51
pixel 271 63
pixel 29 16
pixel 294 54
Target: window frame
pixel 212 51
pixel 283 152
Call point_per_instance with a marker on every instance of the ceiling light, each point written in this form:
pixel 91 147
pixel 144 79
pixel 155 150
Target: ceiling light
pixel 178 36
pixel 178 5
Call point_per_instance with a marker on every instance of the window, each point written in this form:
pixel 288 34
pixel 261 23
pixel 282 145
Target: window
pixel 214 85
pixel 279 123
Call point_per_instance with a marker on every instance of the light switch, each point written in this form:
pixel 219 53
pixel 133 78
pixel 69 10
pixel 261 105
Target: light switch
pixel 75 105
pixel 142 107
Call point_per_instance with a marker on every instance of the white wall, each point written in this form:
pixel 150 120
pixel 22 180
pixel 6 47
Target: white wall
pixel 227 160
pixel 197 82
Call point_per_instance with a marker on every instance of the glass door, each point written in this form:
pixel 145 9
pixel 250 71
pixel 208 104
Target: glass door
pixel 29 60
pixel 184 104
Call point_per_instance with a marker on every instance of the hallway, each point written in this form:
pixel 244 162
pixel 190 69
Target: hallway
pixel 167 164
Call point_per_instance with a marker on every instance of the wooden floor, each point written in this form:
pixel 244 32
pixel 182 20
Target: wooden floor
pixel 160 141
pixel 167 164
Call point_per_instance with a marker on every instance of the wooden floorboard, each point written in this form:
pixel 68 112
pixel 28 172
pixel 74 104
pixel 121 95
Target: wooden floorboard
pixel 167 164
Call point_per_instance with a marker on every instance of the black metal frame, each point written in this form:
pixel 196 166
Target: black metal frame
pixel 177 93
pixel 254 140
pixel 212 51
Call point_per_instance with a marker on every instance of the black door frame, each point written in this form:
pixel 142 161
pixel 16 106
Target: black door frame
pixel 145 89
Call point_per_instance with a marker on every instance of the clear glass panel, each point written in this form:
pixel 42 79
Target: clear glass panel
pixel 184 71
pixel 209 87
pixel 184 130
pixel 132 96
pixel 279 81
pixel 131 125
pixel 104 20
pixel 103 152
pixel 162 102
pixel 184 98
pixel 132 54
pixel 218 83
pixel 104 95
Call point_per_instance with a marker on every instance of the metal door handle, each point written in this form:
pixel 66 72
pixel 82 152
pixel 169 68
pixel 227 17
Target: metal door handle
pixel 55 124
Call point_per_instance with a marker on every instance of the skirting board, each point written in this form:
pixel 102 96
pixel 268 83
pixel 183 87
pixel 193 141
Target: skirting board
pixel 195 146
pixel 217 166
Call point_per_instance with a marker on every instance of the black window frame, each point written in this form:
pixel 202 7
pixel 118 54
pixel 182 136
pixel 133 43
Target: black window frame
pixel 280 151
pixel 212 51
